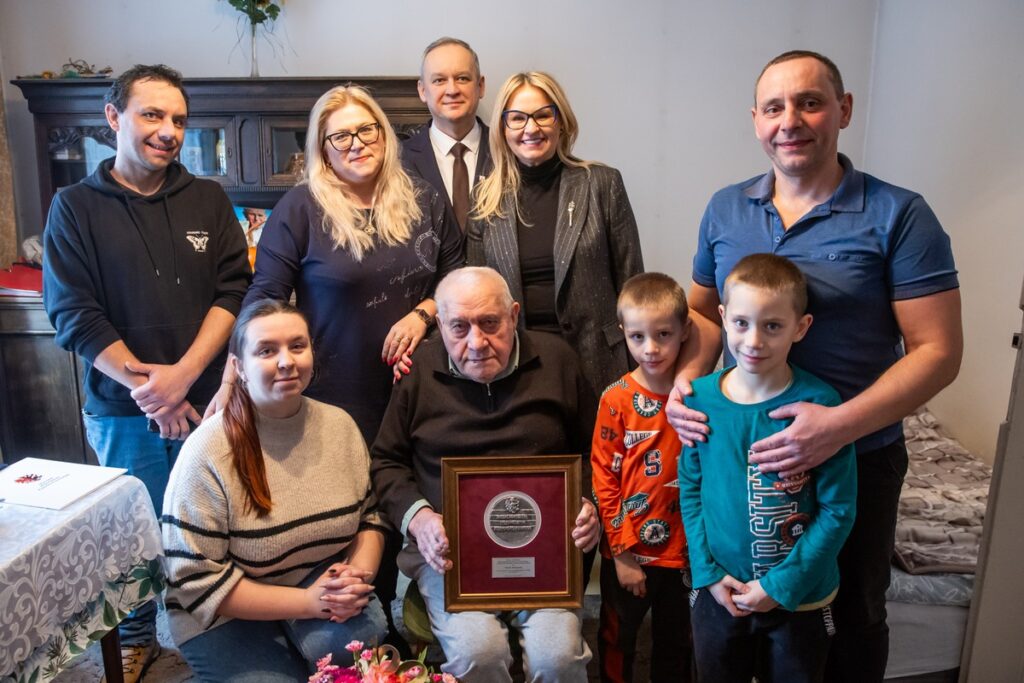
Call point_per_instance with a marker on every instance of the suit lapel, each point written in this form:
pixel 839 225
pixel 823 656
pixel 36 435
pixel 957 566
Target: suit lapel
pixel 573 205
pixel 420 153
pixel 505 244
pixel 484 164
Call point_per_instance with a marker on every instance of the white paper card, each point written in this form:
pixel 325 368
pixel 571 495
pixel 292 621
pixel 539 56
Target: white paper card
pixel 51 484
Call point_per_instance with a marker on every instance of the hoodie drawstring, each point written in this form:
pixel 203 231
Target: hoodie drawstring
pixel 138 228
pixel 170 232
pixel 149 252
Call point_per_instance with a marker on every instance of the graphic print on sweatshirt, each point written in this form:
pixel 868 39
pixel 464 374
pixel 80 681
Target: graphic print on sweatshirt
pixel 198 239
pixel 775 522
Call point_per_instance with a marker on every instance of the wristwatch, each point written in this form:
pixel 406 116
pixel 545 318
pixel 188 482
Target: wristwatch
pixel 427 319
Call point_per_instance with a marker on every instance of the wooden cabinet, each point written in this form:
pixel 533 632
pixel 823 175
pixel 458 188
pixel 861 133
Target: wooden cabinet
pixel 247 134
pixel 41 401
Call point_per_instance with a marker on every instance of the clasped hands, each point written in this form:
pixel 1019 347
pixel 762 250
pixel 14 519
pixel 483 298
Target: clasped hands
pixel 740 599
pixel 427 527
pixel 162 397
pixel 341 592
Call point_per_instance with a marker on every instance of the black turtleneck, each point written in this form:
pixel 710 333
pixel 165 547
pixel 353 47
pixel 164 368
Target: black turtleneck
pixel 538 200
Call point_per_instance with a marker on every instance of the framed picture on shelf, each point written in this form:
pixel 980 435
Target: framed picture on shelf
pixel 252 219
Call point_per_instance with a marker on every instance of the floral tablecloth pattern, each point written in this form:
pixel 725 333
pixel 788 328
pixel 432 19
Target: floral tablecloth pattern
pixel 68 576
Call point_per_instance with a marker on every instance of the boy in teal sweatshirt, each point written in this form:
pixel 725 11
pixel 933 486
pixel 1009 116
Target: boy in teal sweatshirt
pixel 762 549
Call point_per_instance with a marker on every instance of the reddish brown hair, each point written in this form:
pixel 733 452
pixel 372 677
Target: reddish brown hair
pixel 240 419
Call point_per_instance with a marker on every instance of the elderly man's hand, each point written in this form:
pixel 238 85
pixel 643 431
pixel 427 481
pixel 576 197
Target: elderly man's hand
pixel 588 528
pixel 427 527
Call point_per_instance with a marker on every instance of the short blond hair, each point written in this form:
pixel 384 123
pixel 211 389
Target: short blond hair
pixel 653 290
pixel 771 273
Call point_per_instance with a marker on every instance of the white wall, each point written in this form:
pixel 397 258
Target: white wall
pixel 945 120
pixel 662 89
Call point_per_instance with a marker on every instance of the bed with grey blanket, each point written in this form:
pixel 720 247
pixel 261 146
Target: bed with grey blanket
pixel 943 502
pixel 938 533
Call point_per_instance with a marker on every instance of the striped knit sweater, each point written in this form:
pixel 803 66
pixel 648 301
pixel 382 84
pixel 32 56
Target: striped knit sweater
pixel 318 471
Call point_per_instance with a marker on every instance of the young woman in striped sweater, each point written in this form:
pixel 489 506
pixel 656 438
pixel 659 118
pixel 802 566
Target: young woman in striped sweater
pixel 271 531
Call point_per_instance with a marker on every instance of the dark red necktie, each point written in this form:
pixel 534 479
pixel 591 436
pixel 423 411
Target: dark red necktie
pixel 460 185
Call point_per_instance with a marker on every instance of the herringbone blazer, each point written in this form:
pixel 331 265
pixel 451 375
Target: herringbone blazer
pixel 597 248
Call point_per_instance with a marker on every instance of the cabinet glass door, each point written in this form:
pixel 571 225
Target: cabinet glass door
pixel 74 152
pixel 284 142
pixel 208 149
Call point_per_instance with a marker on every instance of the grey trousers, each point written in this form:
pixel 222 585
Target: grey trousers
pixel 475 644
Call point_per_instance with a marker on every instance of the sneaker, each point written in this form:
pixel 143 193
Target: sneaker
pixel 135 659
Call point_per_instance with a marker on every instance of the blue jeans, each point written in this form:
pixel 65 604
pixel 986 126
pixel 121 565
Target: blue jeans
pixel 127 442
pixel 280 651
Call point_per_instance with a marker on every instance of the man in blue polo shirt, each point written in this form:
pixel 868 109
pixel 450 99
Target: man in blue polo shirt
pixel 879 269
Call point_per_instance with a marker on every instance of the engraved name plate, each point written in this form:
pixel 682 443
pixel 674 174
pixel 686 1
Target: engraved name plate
pixel 513 567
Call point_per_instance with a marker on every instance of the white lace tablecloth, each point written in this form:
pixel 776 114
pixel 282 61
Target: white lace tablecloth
pixel 69 576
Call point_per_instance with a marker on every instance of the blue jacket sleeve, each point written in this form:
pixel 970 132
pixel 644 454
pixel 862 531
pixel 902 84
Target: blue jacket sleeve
pixel 453 243
pixel 282 246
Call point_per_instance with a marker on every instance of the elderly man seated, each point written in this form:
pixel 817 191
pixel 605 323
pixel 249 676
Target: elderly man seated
pixel 487 390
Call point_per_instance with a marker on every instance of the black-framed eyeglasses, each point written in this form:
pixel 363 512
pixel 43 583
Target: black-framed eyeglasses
pixel 545 117
pixel 342 140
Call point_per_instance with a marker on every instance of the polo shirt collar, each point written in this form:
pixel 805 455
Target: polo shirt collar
pixel 848 197
pixel 445 142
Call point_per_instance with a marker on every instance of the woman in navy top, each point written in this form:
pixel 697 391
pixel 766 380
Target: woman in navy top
pixel 361 245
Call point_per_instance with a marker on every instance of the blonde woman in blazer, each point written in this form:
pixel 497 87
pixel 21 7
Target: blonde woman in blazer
pixel 559 229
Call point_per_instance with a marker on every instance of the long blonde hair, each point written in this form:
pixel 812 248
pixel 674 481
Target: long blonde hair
pixel 504 181
pixel 394 200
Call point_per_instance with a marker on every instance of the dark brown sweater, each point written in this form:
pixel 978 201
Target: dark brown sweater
pixel 545 407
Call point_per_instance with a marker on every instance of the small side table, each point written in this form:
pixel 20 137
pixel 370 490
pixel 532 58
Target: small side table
pixel 68 577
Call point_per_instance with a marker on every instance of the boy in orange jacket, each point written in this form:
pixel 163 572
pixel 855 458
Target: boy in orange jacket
pixel 634 457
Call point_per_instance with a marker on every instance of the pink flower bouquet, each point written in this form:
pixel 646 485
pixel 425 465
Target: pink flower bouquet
pixel 380 665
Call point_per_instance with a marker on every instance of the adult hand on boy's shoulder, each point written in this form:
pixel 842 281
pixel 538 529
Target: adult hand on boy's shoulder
pixel 755 599
pixel 816 434
pixel 690 425
pixel 630 574
pixel 724 590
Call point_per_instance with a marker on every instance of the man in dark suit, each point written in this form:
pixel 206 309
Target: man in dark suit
pixel 452 152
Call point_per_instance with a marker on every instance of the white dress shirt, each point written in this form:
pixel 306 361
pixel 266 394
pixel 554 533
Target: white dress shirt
pixel 443 143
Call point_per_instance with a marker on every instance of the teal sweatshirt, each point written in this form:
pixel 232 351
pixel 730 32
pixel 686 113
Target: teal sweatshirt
pixel 747 524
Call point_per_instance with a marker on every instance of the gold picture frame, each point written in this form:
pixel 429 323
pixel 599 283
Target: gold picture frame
pixel 509 521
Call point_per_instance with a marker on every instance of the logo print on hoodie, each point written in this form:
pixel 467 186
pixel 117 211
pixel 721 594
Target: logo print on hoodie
pixel 198 240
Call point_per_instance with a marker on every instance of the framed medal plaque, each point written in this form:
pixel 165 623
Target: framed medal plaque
pixel 508 521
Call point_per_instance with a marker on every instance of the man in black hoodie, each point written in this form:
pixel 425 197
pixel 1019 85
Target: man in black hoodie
pixel 145 270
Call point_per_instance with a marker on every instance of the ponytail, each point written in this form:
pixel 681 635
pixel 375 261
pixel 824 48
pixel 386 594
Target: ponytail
pixel 239 421
pixel 239 418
